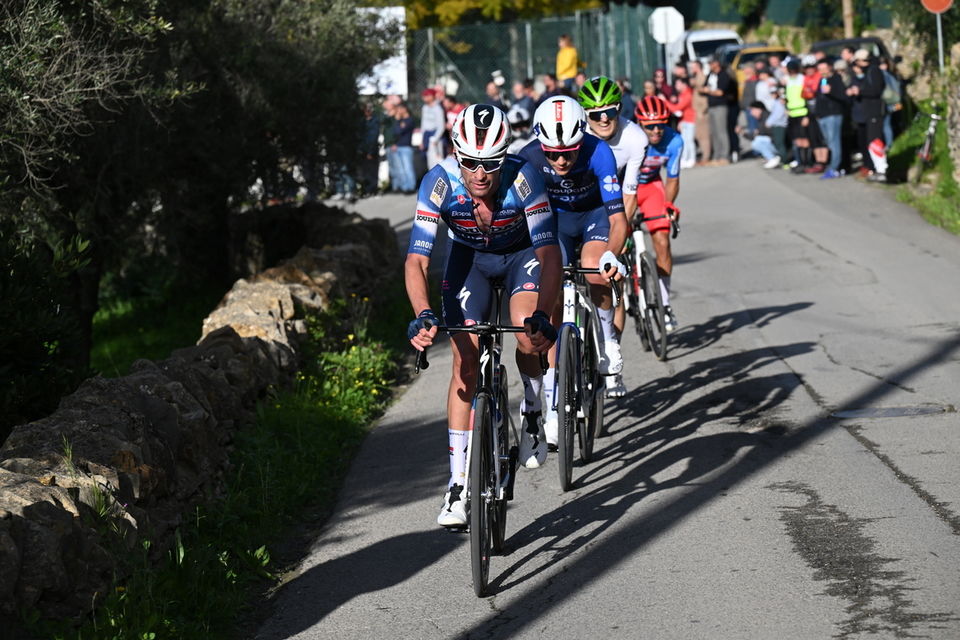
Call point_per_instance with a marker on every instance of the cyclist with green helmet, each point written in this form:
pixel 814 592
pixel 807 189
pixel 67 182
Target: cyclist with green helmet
pixel 600 97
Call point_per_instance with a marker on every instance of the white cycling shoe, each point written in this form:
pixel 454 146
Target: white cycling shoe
pixel 533 442
pixel 615 387
pixel 669 319
pixel 551 429
pixel 453 513
pixel 611 362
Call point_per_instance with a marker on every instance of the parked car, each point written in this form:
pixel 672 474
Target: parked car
pixel 872 44
pixel 727 52
pixel 700 44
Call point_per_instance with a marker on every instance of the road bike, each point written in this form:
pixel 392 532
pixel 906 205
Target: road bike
pixel 580 387
pixel 644 299
pixel 925 152
pixel 491 458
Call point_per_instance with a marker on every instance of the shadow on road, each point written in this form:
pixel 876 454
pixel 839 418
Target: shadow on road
pixel 695 337
pixel 581 521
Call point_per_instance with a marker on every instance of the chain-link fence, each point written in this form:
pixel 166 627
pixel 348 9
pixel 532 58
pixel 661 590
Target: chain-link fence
pixel 614 42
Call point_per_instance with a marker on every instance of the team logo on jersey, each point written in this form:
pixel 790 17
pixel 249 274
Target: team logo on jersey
pixel 567 184
pixel 462 199
pixel 611 184
pixel 523 187
pixel 529 286
pixel 531 265
pixel 463 296
pixel 439 192
pixel 590 228
pixel 538 210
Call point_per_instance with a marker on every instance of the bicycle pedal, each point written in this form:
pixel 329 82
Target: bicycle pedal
pixel 514 463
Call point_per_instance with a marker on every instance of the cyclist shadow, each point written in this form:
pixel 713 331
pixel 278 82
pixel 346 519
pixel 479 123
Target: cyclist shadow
pixel 693 338
pixel 649 453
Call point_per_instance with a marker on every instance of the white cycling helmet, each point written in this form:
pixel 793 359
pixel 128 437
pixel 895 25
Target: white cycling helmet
pixel 518 116
pixel 481 131
pixel 559 122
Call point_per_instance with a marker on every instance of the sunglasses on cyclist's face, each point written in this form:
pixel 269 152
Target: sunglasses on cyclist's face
pixel 569 155
pixel 610 112
pixel 654 127
pixel 472 164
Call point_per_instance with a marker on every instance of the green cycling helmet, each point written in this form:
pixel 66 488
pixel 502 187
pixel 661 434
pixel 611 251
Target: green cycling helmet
pixel 599 91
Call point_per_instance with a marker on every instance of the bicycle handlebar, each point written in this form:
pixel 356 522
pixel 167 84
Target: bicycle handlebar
pixel 481 328
pixel 614 285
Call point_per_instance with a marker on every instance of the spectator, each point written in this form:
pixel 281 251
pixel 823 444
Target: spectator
pixel 867 91
pixel 892 100
pixel 627 103
pixel 663 88
pixel 567 63
pixel 523 95
pixel 680 71
pixel 578 83
pixel 777 70
pixel 811 87
pixel 799 118
pixel 846 54
pixel 390 137
pixel 649 89
pixel 683 109
pixel 832 101
pixel 749 96
pixel 719 89
pixel 765 89
pixel 451 108
pixel 520 120
pixel 405 181
pixel 493 96
pixel 369 150
pixel 550 88
pixel 770 127
pixel 700 106
pixel 432 127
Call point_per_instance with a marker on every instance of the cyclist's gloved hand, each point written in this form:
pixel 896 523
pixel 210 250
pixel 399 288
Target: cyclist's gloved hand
pixel 540 323
pixel 673 210
pixel 425 320
pixel 608 258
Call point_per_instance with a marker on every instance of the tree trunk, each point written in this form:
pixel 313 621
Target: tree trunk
pixel 848 18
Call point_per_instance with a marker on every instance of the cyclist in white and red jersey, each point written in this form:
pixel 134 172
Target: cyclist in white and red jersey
pixel 600 98
pixel 655 197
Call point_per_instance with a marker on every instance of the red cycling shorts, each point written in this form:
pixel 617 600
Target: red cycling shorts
pixel 652 203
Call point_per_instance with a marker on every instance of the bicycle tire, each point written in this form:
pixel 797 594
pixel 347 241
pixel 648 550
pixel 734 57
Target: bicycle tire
pixel 593 392
pixel 654 315
pixel 479 490
pixel 566 404
pixel 498 512
pixel 638 310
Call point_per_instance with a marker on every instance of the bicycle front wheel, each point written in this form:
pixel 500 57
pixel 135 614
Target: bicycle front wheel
pixel 653 320
pixel 498 510
pixel 637 302
pixel 566 398
pixel 592 393
pixel 481 493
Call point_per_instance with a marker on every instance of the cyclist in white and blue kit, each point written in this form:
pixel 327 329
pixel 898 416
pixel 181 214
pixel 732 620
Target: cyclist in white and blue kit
pixel 581 179
pixel 501 227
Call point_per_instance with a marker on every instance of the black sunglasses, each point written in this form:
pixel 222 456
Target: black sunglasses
pixel 569 154
pixel 610 112
pixel 654 127
pixel 489 166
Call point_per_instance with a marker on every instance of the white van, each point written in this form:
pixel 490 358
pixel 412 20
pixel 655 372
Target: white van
pixel 700 44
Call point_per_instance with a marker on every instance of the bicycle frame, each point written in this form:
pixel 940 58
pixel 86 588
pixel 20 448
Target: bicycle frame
pixel 577 304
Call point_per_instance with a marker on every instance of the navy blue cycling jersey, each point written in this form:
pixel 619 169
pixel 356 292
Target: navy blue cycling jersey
pixel 522 217
pixel 591 183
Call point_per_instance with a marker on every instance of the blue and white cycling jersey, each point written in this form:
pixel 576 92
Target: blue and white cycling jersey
pixel 666 153
pixel 522 218
pixel 591 183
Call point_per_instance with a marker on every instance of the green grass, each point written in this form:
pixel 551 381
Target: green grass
pixel 937 198
pixel 294 458
pixel 126 330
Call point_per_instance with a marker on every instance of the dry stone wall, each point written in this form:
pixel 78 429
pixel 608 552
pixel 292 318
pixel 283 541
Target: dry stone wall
pixel 136 452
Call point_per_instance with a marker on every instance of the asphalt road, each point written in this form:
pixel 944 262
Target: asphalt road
pixel 790 472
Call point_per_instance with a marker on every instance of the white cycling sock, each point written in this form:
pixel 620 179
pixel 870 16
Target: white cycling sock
pixel 548 379
pixel 458 456
pixel 665 290
pixel 606 323
pixel 531 392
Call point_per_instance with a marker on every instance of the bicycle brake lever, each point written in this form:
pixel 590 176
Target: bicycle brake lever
pixel 544 363
pixel 422 362
pixel 676 228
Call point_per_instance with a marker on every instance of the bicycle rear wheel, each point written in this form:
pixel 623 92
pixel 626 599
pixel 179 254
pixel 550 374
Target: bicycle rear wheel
pixel 592 394
pixel 498 512
pixel 566 399
pixel 654 316
pixel 481 493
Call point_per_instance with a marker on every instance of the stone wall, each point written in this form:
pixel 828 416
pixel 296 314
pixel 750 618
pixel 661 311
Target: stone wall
pixel 134 453
pixel 953 109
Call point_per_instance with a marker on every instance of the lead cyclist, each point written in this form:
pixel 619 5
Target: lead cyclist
pixel 601 98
